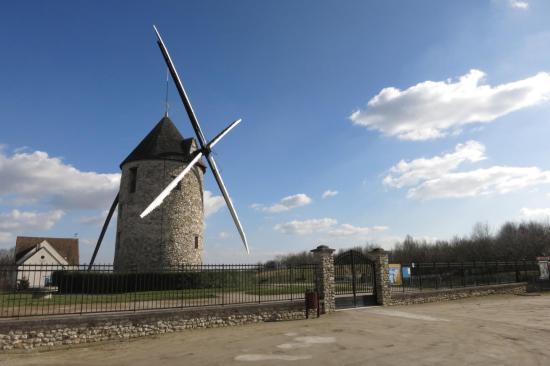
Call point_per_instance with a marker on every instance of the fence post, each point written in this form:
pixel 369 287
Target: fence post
pixel 353 279
pixel 135 287
pixel 381 275
pixel 222 277
pixel 325 277
pixel 258 278
pixel 82 289
pixel 420 275
pixel 488 273
pixel 452 273
pixel 182 285
pixel 291 283
pixel 402 277
pixel 476 275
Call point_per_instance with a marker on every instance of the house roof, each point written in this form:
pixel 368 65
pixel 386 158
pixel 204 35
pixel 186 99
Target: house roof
pixel 66 247
pixel 164 142
pixel 40 248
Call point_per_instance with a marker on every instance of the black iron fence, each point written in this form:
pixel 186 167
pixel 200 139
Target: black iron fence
pixel 413 277
pixel 50 290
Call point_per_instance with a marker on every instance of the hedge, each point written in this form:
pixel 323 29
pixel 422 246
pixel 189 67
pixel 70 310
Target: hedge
pixel 113 282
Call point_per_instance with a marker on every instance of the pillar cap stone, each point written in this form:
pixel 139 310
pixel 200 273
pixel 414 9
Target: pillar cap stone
pixel 378 251
pixel 323 249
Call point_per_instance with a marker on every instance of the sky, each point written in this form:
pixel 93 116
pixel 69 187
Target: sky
pixel 363 121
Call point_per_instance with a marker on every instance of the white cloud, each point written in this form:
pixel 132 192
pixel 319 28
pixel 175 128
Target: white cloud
pixel 496 179
pixel 535 213
pixel 285 204
pixel 21 222
pixel 35 176
pixel 350 230
pixel 97 220
pixel 223 235
pixel 517 4
pixel 328 193
pixel 27 220
pixel 212 204
pixel 7 238
pixel 410 173
pixel 436 177
pixel 305 226
pixel 231 253
pixel 432 109
pixel 87 241
pixel 326 226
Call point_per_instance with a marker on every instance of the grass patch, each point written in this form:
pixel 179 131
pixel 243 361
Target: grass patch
pixel 281 290
pixel 25 299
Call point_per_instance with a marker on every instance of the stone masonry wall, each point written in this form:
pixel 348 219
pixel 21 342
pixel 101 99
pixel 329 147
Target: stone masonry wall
pixel 166 237
pixel 382 276
pixel 325 278
pixel 455 294
pixel 37 333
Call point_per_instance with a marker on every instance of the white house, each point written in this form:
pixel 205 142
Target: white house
pixel 36 262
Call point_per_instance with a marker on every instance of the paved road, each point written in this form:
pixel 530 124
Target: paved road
pixel 496 330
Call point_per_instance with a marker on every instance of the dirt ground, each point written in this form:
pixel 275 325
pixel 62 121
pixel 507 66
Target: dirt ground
pixel 494 330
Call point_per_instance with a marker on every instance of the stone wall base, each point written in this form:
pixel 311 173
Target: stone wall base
pixel 51 332
pixel 456 293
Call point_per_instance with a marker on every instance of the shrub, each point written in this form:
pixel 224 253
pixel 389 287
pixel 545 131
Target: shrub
pixel 118 282
pixel 23 284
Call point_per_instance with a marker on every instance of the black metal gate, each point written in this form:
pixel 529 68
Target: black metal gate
pixel 354 280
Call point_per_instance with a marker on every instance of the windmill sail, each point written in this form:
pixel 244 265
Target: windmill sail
pixel 225 131
pixel 205 147
pixel 103 230
pixel 181 90
pixel 228 201
pixel 170 187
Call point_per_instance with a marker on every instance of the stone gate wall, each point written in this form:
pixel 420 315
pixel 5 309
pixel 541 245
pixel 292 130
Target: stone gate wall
pixel 44 333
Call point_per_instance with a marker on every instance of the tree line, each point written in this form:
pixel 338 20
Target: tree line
pixel 511 242
pixel 7 256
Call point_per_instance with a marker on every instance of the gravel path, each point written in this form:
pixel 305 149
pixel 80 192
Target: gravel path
pixel 493 330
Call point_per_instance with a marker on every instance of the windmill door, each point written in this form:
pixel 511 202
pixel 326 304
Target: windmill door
pixel 354 280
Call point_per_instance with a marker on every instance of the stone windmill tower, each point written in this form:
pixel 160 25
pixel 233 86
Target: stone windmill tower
pixel 172 234
pixel 165 171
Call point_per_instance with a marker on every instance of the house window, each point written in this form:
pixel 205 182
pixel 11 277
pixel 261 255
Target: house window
pixel 196 242
pixel 133 179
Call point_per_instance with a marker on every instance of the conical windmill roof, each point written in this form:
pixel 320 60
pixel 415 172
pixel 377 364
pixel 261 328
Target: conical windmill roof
pixel 164 142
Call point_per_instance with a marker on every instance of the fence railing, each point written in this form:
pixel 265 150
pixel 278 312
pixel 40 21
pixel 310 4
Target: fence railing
pixel 51 290
pixel 414 277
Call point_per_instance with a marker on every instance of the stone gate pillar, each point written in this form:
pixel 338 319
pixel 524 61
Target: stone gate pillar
pixel 325 278
pixel 381 275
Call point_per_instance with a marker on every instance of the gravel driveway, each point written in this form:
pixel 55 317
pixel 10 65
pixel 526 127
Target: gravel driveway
pixel 492 330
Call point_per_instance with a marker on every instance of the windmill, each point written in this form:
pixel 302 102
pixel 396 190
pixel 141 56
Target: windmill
pixel 167 134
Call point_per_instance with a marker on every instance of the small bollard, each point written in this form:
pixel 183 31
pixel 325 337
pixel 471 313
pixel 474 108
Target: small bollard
pixel 312 302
